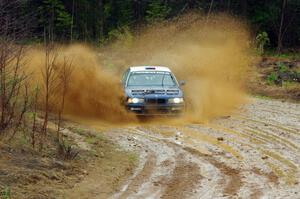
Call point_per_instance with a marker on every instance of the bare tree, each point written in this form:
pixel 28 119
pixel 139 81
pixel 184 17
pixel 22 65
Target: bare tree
pixel 34 123
pixel 65 73
pixel 72 22
pixel 244 5
pixel 280 31
pixel 49 85
pixel 12 77
pixel 209 12
pixel 18 120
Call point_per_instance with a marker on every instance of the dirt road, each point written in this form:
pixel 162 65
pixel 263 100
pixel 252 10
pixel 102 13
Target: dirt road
pixel 254 153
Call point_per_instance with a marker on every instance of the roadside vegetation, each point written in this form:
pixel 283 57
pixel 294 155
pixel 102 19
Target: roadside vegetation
pixel 283 75
pixel 273 23
pixel 39 156
pixel 276 76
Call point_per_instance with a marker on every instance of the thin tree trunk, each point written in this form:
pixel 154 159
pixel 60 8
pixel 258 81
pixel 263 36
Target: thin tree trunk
pixel 244 5
pixel 209 12
pixel 60 113
pixel 34 119
pixel 210 9
pixel 46 84
pixel 228 5
pixel 85 24
pixel 3 93
pixel 99 17
pixel 45 124
pixel 52 26
pixel 3 86
pixel 280 32
pixel 72 23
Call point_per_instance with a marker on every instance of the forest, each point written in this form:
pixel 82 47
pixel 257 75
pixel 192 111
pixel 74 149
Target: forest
pixel 276 22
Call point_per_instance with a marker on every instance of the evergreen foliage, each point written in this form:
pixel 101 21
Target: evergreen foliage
pixel 96 20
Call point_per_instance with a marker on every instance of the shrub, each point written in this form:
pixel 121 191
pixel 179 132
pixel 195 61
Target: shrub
pixel 6 194
pixel 122 35
pixel 66 151
pixel 282 68
pixel 262 39
pixel 272 78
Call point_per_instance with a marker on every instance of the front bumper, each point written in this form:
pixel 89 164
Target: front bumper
pixel 156 109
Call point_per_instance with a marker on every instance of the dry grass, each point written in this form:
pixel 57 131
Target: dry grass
pixel 27 173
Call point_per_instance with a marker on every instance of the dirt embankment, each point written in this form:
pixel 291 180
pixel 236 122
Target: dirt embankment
pixel 28 174
pixel 276 77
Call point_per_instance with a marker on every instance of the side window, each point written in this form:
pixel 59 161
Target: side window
pixel 124 78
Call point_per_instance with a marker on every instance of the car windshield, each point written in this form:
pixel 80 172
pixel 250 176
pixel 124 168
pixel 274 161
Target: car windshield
pixel 151 79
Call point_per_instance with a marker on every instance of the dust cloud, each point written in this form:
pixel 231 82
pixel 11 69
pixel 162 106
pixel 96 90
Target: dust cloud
pixel 93 92
pixel 212 56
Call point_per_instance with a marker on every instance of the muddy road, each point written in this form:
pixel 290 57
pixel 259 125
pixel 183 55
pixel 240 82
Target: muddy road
pixel 254 153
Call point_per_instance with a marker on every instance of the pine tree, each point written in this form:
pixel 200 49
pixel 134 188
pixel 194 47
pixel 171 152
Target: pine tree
pixel 157 11
pixel 54 18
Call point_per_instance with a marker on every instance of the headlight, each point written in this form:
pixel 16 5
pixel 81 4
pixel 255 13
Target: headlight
pixel 135 100
pixel 176 100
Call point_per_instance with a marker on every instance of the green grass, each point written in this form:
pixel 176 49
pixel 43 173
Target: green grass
pixel 78 131
pixel 282 68
pixel 289 55
pixel 91 140
pixel 272 78
pixel 133 158
pixel 289 84
pixel 24 140
pixel 275 76
pixel 6 193
pixel 262 97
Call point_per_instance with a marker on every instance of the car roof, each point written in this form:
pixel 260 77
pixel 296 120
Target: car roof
pixel 149 68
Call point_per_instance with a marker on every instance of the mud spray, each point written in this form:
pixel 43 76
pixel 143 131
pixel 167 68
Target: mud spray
pixel 211 56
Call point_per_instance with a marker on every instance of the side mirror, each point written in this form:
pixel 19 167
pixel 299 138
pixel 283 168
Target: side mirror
pixel 181 82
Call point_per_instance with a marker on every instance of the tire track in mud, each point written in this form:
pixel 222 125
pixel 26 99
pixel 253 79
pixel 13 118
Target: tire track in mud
pixel 286 175
pixel 254 154
pixel 268 136
pixel 141 177
pixel 279 113
pixel 275 147
pixel 184 179
pixel 281 137
pixel 232 176
pixel 229 179
pixel 289 109
pixel 284 116
pixel 279 165
pixel 270 122
pixel 180 182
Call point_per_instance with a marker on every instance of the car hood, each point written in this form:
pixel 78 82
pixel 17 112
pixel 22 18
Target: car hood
pixel 153 91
